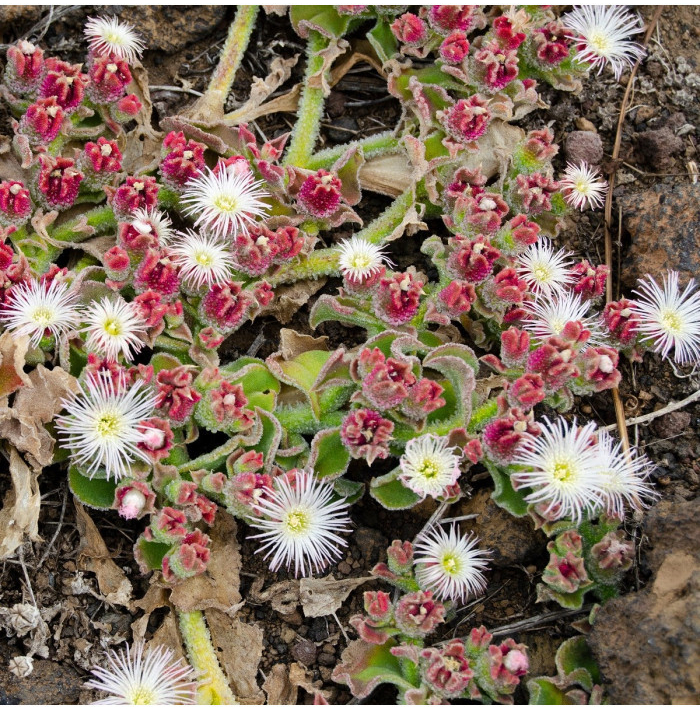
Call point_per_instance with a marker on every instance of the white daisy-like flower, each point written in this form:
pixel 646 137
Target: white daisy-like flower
pixel 360 259
pixel 224 203
pixel 669 318
pixel 38 310
pixel 544 270
pixel 623 476
pixel 583 187
pixel 113 327
pixel 300 524
pixel 429 466
pixel 101 427
pixel 153 221
pixel 603 32
pixel 141 676
pixel 450 564
pixel 203 259
pixel 106 35
pixel 561 468
pixel 547 317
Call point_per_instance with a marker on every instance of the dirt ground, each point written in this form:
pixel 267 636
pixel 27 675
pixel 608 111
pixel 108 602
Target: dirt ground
pixel 657 158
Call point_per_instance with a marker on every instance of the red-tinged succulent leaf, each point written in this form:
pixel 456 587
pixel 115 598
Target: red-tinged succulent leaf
pixel 321 18
pixel 343 310
pixel 329 458
pixel 151 553
pixel 347 168
pixel 363 667
pixel 391 493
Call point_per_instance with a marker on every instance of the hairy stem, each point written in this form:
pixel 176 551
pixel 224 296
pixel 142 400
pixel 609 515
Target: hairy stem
pixel 372 146
pixel 213 687
pixel 310 106
pixel 324 262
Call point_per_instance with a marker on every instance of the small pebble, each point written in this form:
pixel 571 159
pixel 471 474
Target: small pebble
pixel 325 658
pixel 305 652
pixel 344 568
pixel 344 129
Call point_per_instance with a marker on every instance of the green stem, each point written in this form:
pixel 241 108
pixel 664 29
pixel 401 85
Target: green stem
pixel 230 59
pixel 372 146
pixel 310 106
pixel 324 262
pixel 213 687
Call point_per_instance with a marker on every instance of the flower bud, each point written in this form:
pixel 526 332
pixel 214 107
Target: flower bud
pixel 15 204
pixel 366 434
pixel 320 194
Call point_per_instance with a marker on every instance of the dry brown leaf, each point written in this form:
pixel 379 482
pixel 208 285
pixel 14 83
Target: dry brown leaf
pixel 286 103
pixel 13 348
pixel 289 298
pixel 94 556
pixel 219 586
pixel 34 406
pixel 20 511
pixel 282 684
pixel 335 48
pixel 156 597
pixel 282 596
pixel 168 634
pixel 240 648
pixel 324 596
pixel 293 343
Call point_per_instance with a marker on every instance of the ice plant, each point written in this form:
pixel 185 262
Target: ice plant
pixel 144 676
pixel 107 35
pixel 560 467
pixel 449 564
pixel 429 466
pixel 224 202
pixel 668 318
pixel 582 186
pixel 113 327
pixel 38 310
pixel 359 259
pixel 101 427
pixel 603 36
pixel 204 259
pixel 546 271
pixel 548 317
pixel 623 476
pixel 300 524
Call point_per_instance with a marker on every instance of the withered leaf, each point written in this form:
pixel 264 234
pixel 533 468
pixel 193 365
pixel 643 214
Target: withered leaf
pixel 282 596
pixel 324 596
pixel 240 648
pixel 20 511
pixel 219 586
pixel 289 298
pixel 156 597
pixel 13 348
pixel 282 684
pixel 94 556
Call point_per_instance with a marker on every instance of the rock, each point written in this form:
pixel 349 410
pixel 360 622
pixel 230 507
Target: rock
pixel 344 568
pixel 14 17
pixel 511 540
pixel 583 146
pixel 371 543
pixel 655 148
pixel 49 683
pixel 325 658
pixel 305 652
pixel 664 224
pixel 584 124
pixel 672 424
pixel 344 129
pixel 646 643
pixel 170 28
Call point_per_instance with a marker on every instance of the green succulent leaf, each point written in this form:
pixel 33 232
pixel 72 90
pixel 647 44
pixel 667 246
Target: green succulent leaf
pixel 329 457
pixel 391 493
pixel 93 492
pixel 504 495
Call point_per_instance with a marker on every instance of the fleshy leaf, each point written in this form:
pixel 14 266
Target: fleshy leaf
pixel 93 492
pixel 391 493
pixel 329 458
pixel 504 495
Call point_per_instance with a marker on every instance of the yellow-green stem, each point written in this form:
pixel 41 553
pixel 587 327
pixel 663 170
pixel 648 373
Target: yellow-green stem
pixel 213 687
pixel 310 109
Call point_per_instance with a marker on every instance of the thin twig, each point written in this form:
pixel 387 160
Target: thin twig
pixel 58 529
pixel 177 89
pixel 20 554
pixel 617 401
pixel 535 621
pixel 673 406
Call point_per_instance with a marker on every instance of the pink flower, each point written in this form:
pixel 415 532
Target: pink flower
pixel 622 320
pixel 168 525
pixel 378 605
pixel 386 386
pixel 410 29
pixel 15 204
pixel 366 434
pixel 320 194
pixel 508 662
pixel 42 121
pixel 613 551
pixel 523 232
pixel 152 310
pixel 526 391
pixel 157 440
pixel 288 242
pixel 508 287
pixel 58 181
pixel 100 160
pixel 472 260
pixel 553 360
pixel 515 346
pixel 457 298
pixel 254 250
pixel 540 146
pixel 126 108
pixel 117 263
pixel 505 34
pixel 423 398
pixel 134 193
pixel 25 67
pixel 565 574
pixel 600 367
pixel 454 48
pixel 468 119
pixel 446 671
pixel 418 614
pixel 224 306
pixel 397 297
pixel 589 282
pixel 134 499
pixel 448 18
pixel 176 397
pixel 65 82
pixel 248 487
pixel 551 44
pixel 496 66
pixel 183 162
pixel 109 77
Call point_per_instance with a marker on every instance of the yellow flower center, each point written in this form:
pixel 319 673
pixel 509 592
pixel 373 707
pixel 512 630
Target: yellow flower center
pixel 428 469
pixel 600 42
pixel 450 564
pixel 542 273
pixel 361 261
pixel 226 203
pixel 204 259
pixel 109 425
pixel 142 695
pixel 112 327
pixel 451 663
pixel 43 316
pixel 115 39
pixel 297 522
pixel 671 322
pixel 563 471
